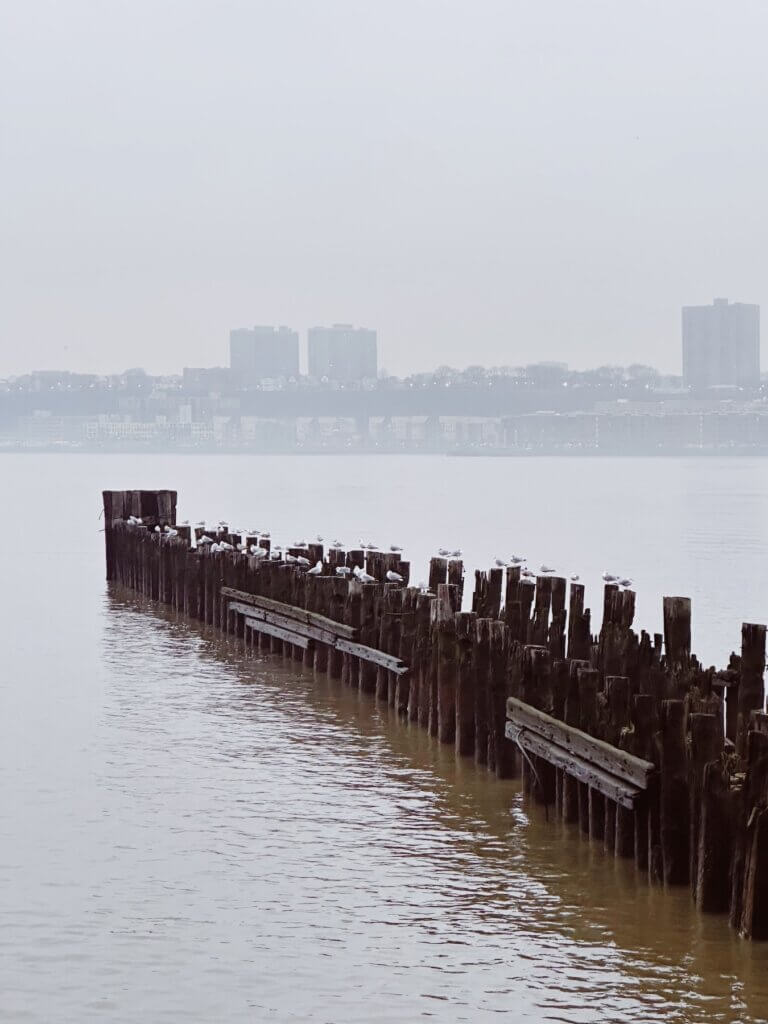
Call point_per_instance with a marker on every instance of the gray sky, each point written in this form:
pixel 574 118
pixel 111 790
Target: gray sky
pixel 488 181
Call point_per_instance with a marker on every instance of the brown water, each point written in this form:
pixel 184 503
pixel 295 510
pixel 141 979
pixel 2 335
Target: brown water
pixel 189 834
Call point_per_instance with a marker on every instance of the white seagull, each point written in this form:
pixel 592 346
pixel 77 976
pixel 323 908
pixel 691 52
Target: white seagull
pixel 289 557
pixel 394 577
pixel 546 569
pixel 305 562
pixel 316 569
pixel 609 578
pixel 343 570
pixel 500 563
pixel 395 548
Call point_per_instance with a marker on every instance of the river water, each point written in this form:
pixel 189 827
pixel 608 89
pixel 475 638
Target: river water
pixel 189 835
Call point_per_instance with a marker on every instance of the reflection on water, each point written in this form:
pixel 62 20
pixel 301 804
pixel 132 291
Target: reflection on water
pixel 187 833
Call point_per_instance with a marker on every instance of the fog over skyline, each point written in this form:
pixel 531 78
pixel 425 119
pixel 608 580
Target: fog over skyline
pixel 494 182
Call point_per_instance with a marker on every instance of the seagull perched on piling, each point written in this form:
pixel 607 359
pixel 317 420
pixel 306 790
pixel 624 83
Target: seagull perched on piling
pixel 258 552
pixel 457 553
pixel 443 552
pixel 546 569
pixel 319 539
pixel 394 577
pixel 528 575
pixel 317 569
pixel 305 562
pixel 395 548
pixel 337 545
pixel 205 540
pixel 575 578
pixel 290 558
pixel 609 578
pixel 343 570
pixel 625 583
pixel 363 576
pixel 266 535
pixel 517 560
pixel 171 533
pixel 500 563
pixel 224 546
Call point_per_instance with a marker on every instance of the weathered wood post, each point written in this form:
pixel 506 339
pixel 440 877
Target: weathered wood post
pixel 482 687
pixel 466 630
pixel 674 803
pixel 751 692
pixel 444 621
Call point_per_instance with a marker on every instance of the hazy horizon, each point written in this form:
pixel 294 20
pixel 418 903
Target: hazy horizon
pixel 495 183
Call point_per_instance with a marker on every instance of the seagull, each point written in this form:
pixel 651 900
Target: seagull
pixel 443 552
pixel 394 577
pixel 337 544
pixel 224 546
pixel 608 578
pixel 457 553
pixel 343 570
pixel 304 561
pixel 363 576
pixel 205 540
pixel 157 529
pixel 517 560
pixel 316 569
pixel 290 558
pixel 299 543
pixel 546 569
pixel 266 535
pixel 258 552
pixel 172 533
pixel 319 539
pixel 575 577
pixel 528 575
pixel 395 548
pixel 215 549
pixel 241 546
pixel 625 583
pixel 500 563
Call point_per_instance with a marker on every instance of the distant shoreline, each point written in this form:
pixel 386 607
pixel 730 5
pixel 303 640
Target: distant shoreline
pixel 494 453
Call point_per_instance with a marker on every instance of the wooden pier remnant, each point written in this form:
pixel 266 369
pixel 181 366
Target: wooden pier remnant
pixel 626 735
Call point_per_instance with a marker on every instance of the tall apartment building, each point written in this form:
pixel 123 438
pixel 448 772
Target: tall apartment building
pixel 342 353
pixel 721 344
pixel 258 353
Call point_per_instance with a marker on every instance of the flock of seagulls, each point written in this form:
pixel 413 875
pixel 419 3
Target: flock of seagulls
pixel 257 550
pixel 518 561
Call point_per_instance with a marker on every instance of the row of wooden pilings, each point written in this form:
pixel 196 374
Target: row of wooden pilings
pixel 703 820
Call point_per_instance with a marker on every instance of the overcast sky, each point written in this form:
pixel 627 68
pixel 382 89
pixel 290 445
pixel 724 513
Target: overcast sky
pixel 482 181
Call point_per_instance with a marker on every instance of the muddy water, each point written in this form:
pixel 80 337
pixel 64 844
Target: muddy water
pixel 189 834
